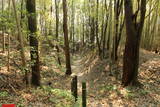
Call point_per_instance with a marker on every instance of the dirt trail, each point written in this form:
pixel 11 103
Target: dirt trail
pixel 78 69
pixel 105 91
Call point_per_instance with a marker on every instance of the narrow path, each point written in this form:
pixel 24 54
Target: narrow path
pixel 105 91
pixel 78 68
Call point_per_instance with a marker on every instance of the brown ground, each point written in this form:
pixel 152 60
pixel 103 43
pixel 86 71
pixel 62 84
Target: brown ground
pixel 103 90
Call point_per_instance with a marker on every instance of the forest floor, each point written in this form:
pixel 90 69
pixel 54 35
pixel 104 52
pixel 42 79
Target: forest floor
pixel 103 89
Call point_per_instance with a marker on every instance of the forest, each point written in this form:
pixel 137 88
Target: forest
pixel 79 53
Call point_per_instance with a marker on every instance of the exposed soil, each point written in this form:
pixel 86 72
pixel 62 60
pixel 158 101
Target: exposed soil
pixel 103 89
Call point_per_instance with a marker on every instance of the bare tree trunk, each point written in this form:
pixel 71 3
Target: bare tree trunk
pixel 20 41
pixel 3 32
pixel 8 62
pixel 97 30
pixel 83 36
pixel 131 53
pixel 105 31
pixel 32 26
pixel 66 42
pixel 118 28
pixel 72 27
pixel 57 29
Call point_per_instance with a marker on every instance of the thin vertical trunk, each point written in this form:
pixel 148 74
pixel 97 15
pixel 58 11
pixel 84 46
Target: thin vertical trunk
pixel 102 25
pixel 97 30
pixel 83 32
pixel 20 40
pixel 3 32
pixel 66 42
pixel 8 59
pixel 19 34
pixel 22 14
pixel 57 29
pixel 92 24
pixel 110 25
pixel 109 42
pixel 118 28
pixel 72 27
pixel 8 65
pixel 32 26
pixel 104 38
pixel 154 27
pixel 105 31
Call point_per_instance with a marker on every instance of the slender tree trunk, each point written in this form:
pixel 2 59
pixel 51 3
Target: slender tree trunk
pixel 118 28
pixel 72 27
pixel 105 31
pixel 57 29
pixel 131 53
pixel 109 42
pixel 22 14
pixel 110 26
pixel 66 42
pixel 104 38
pixel 92 25
pixel 8 65
pixel 3 32
pixel 97 30
pixel 102 25
pixel 20 41
pixel 32 26
pixel 83 36
pixel 19 34
pixel 155 17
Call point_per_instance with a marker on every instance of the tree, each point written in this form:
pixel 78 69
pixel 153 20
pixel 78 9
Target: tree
pixel 3 32
pixel 32 26
pixel 66 42
pixel 20 38
pixel 97 29
pixel 118 28
pixel 72 33
pixel 8 61
pixel 134 32
pixel 57 29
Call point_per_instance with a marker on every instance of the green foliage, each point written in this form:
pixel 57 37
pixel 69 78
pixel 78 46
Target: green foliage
pixel 130 95
pixel 58 92
pixel 6 20
pixel 4 94
pixel 21 102
pixel 62 93
pixel 109 87
pixel 48 60
pixel 78 103
pixel 58 96
pixel 143 92
pixel 1 64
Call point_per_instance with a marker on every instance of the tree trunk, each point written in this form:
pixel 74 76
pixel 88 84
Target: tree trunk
pixel 97 30
pixel 72 28
pixel 83 36
pixel 131 53
pixel 32 26
pixel 66 42
pixel 57 29
pixel 117 11
pixel 20 41
pixel 3 33
pixel 8 62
